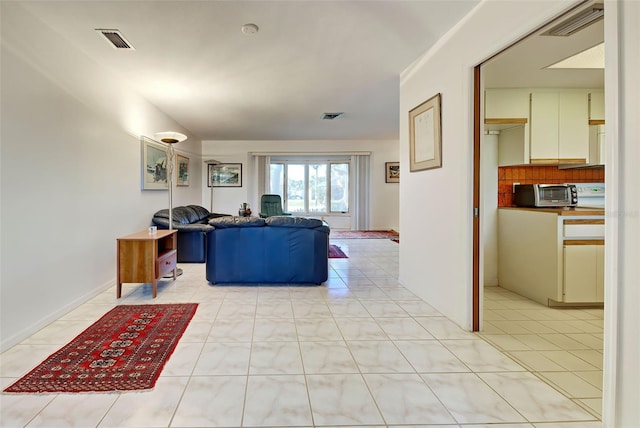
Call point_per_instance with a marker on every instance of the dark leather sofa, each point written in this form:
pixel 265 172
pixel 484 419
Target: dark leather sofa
pixel 274 250
pixel 191 222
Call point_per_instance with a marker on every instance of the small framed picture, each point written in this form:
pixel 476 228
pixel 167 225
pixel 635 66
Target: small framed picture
pixel 182 167
pixel 392 172
pixel 225 175
pixel 154 165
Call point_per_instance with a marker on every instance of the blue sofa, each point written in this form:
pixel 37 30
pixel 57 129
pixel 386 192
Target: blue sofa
pixel 191 222
pixel 274 250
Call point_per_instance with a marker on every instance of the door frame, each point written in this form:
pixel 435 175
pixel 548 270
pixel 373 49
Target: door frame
pixel 477 98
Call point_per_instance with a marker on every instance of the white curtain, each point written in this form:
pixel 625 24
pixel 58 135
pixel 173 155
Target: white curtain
pixel 361 189
pixel 261 171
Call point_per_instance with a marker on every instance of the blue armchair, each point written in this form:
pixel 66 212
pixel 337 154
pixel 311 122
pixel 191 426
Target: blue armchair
pixel 271 205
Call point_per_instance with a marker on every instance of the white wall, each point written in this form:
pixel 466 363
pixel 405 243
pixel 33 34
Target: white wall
pixel 70 175
pixel 622 235
pixel 436 250
pixel 489 206
pixel 384 196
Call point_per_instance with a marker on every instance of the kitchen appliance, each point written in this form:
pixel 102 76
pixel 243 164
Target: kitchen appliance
pixel 545 195
pixel 590 195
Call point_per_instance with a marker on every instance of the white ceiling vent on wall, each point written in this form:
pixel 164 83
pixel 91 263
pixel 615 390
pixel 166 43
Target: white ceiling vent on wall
pixel 577 22
pixel 116 39
pixel 331 116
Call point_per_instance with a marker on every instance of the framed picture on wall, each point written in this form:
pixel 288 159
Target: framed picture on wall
pixel 182 168
pixel 154 165
pixel 425 135
pixel 392 172
pixel 225 175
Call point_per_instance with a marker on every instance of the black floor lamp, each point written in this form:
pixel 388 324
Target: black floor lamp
pixel 210 162
pixel 170 138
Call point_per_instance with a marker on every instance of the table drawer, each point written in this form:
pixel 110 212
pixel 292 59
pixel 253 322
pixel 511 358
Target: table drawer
pixel 166 262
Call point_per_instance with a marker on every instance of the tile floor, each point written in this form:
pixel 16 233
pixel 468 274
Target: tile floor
pixel 358 351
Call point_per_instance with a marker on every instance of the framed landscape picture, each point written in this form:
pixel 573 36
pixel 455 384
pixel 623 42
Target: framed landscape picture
pixel 182 167
pixel 154 165
pixel 392 172
pixel 225 175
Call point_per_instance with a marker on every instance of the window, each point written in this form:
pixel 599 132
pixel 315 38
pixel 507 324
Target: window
pixel 311 187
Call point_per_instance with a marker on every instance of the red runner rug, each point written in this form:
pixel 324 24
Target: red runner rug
pixel 124 350
pixel 363 234
pixel 336 253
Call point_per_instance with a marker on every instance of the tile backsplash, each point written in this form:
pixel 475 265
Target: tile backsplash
pixel 507 175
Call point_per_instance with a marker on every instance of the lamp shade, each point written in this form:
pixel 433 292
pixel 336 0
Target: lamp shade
pixel 170 137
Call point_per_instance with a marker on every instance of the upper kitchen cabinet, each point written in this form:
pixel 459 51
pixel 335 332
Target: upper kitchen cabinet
pixel 507 111
pixel 559 127
pixel 504 104
pixel 596 108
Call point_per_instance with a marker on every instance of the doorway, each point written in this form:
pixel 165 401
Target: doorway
pixel 527 333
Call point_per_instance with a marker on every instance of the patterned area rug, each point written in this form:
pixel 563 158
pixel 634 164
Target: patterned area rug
pixel 336 253
pixel 364 234
pixel 124 350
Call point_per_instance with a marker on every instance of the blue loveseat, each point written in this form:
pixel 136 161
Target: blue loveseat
pixel 274 250
pixel 191 222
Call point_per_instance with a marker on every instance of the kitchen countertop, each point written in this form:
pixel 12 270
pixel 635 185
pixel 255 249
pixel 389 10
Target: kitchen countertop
pixel 564 211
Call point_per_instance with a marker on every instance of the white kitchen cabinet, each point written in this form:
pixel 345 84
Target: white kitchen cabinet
pixel 583 273
pixel 559 127
pixel 513 143
pixel 551 258
pixel 573 126
pixel 600 273
pixel 544 127
pixel 596 145
pixel 528 259
pixel 506 103
pixel 596 106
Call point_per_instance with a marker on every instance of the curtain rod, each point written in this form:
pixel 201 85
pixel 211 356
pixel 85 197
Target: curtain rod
pixel 309 153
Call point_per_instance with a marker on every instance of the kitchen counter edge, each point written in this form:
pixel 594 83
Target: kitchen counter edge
pixel 561 211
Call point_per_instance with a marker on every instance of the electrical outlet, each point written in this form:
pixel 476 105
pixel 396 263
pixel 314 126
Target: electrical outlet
pixel 513 189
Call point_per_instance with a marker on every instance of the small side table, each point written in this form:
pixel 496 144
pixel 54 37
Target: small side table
pixel 145 257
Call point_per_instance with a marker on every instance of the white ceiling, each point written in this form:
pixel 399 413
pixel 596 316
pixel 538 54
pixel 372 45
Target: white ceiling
pixel 193 62
pixel 524 64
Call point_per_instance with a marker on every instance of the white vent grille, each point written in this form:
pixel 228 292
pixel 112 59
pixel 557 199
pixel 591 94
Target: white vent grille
pixel 116 39
pixel 577 22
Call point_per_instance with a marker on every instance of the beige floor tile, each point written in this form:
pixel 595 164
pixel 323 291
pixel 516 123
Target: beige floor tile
pixel 572 385
pixel 359 351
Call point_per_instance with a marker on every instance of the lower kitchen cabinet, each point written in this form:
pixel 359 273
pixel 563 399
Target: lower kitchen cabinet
pixel 552 256
pixel 583 273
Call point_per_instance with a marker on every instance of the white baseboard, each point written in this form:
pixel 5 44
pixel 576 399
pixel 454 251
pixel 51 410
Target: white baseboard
pixel 8 342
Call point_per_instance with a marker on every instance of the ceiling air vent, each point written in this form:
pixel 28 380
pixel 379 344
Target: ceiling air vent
pixel 577 22
pixel 331 116
pixel 116 39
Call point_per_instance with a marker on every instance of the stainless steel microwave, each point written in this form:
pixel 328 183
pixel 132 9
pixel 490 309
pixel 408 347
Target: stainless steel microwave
pixel 545 195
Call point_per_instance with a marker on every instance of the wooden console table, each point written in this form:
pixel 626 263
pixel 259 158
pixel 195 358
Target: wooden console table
pixel 145 257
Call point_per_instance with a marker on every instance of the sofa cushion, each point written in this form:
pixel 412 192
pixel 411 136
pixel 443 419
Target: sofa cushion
pixel 234 221
pixel 201 212
pixel 291 221
pixel 181 215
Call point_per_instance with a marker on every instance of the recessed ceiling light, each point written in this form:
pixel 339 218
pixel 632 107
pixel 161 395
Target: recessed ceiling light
pixel 250 29
pixel 590 58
